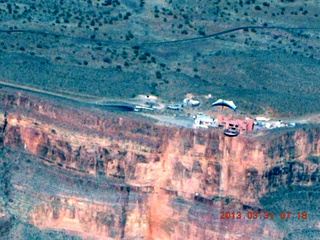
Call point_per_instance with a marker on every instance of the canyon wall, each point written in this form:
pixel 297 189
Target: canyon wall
pixel 105 175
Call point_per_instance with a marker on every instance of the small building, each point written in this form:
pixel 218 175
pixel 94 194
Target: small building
pixel 204 121
pixel 233 126
pixel 270 124
pixel 291 124
pixel 261 119
pixel 188 101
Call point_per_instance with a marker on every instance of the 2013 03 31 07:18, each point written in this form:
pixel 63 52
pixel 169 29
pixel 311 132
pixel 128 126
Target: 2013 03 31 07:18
pixel 262 215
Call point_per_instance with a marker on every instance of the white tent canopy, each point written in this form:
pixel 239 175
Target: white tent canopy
pixel 222 102
pixel 191 102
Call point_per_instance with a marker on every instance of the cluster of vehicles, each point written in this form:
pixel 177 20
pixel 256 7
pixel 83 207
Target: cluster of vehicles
pixel 231 127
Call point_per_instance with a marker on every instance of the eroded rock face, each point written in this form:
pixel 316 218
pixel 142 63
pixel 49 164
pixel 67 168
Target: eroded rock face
pixel 103 175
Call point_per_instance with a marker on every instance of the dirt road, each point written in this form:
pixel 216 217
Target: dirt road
pixel 129 105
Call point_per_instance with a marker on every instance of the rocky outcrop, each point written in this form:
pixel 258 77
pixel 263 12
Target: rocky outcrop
pixel 103 175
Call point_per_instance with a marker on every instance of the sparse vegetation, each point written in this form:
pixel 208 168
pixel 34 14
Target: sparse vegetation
pixel 110 44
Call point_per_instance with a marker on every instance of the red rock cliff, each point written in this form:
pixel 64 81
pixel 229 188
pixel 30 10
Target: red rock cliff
pixel 104 175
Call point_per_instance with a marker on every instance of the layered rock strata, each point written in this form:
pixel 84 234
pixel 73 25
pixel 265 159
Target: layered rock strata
pixel 105 175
